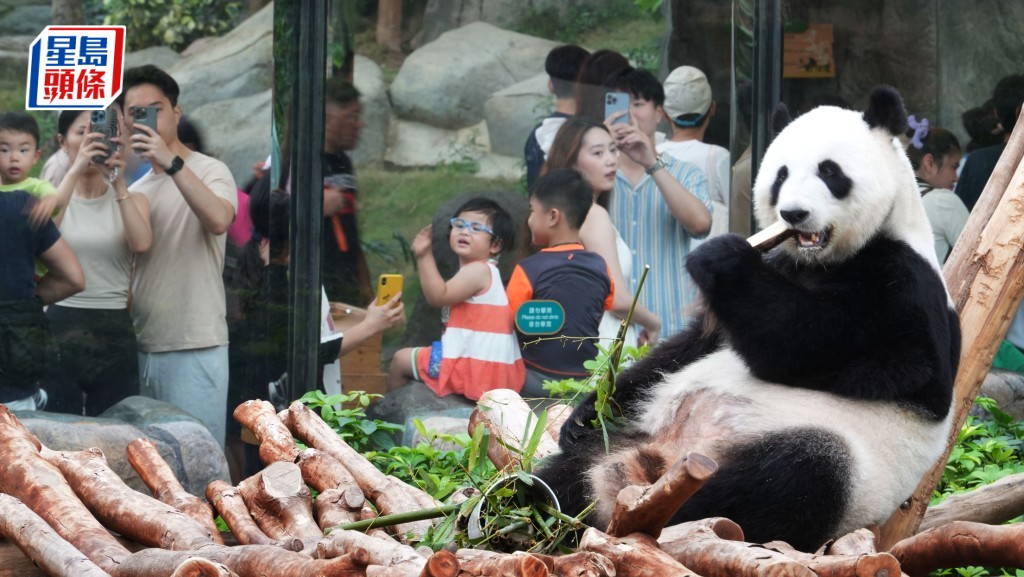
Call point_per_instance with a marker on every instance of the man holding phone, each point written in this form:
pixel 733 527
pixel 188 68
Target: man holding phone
pixel 178 291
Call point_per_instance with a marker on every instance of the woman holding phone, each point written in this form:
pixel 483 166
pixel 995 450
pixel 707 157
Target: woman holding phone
pixel 588 147
pixel 106 226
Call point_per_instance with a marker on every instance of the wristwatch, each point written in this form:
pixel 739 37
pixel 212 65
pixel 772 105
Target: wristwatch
pixel 658 165
pixel 176 165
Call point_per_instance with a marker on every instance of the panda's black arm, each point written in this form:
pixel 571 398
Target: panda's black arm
pixel 632 384
pixel 802 326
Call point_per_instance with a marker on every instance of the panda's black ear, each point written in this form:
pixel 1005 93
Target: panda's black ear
pixel 886 110
pixel 781 118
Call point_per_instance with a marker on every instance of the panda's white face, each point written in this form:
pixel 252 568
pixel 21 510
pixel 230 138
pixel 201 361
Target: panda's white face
pixel 833 179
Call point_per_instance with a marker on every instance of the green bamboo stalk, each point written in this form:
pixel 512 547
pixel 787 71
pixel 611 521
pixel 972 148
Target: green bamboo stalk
pixel 398 518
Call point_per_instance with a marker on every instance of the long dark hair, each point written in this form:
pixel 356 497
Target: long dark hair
pixel 270 212
pixel 565 150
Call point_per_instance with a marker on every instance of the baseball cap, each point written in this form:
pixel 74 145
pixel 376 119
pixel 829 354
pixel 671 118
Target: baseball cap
pixel 687 92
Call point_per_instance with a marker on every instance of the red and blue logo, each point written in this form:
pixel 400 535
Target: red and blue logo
pixel 75 67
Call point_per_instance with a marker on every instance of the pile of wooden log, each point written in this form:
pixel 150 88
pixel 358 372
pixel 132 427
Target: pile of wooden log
pixel 71 515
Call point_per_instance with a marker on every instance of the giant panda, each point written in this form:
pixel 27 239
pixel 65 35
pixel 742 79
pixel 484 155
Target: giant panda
pixel 819 375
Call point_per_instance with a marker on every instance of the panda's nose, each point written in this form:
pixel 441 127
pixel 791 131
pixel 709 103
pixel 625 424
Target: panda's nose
pixel 794 217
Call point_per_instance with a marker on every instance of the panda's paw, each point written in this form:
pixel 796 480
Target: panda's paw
pixel 720 258
pixel 578 426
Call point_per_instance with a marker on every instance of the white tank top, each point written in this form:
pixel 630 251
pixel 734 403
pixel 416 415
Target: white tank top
pixel 93 229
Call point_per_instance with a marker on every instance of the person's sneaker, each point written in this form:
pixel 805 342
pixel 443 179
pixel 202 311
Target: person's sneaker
pixel 40 398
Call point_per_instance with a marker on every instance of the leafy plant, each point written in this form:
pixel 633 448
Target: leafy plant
pixel 987 449
pixel 346 414
pixel 175 23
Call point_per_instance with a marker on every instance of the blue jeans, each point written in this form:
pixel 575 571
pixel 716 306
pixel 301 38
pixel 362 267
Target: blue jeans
pixel 196 381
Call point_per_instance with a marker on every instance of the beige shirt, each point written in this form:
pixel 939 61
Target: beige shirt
pixel 178 295
pixel 93 229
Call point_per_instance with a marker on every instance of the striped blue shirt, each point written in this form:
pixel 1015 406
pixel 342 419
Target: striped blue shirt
pixel 656 238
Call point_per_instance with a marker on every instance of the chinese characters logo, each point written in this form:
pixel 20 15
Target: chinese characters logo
pixel 75 67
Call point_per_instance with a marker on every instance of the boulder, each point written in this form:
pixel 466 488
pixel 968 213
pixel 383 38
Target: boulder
pixel 1006 388
pixel 24 17
pixel 159 56
pixel 237 131
pixel 235 65
pixel 14 61
pixel 441 16
pixel 513 112
pixel 369 80
pixel 416 401
pixel 417 144
pixel 446 82
pixel 183 441
pixel 498 166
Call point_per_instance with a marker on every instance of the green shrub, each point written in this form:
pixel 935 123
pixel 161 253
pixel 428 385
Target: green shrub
pixel 174 23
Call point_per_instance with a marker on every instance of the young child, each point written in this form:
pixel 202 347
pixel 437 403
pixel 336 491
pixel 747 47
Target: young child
pixel 477 351
pixel 564 272
pixel 19 152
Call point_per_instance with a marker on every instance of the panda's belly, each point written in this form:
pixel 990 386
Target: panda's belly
pixel 715 402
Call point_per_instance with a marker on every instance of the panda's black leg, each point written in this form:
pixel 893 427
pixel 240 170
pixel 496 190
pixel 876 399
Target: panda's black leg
pixel 789 485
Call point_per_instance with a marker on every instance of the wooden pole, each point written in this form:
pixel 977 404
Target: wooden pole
pixel 984 274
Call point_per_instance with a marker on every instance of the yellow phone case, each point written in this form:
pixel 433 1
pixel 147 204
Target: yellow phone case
pixel 388 285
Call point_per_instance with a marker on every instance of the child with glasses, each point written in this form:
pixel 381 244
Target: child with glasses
pixel 478 350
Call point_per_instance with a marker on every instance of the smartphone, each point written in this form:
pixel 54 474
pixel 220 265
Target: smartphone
pixel 388 285
pixel 616 102
pixel 105 122
pixel 144 116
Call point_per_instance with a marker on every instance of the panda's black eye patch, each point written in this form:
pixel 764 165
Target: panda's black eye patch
pixel 834 178
pixel 780 177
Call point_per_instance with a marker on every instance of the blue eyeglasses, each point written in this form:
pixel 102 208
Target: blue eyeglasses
pixel 474 227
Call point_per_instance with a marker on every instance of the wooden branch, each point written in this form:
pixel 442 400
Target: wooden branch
pixel 991 504
pixel 244 560
pixel 720 526
pixel 647 509
pixel 280 502
pixel 333 507
pixel 984 274
pixel 24 474
pixel 859 542
pixel 276 443
pixel 510 422
pixel 195 567
pixel 960 544
pixel 481 563
pixel 711 556
pixel 388 495
pixel 40 543
pixel 322 472
pixel 165 487
pixel 636 555
pixel 441 564
pixel 867 565
pixel 401 560
pixel 583 564
pixel 228 502
pixel 130 513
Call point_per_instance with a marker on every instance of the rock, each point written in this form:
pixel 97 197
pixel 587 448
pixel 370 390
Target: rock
pixel 444 426
pixel 417 144
pixel 24 18
pixel 416 401
pixel 1006 388
pixel 500 166
pixel 236 131
pixel 235 65
pixel 369 80
pixel 441 16
pixel 183 441
pixel 513 112
pixel 14 61
pixel 446 82
pixel 159 56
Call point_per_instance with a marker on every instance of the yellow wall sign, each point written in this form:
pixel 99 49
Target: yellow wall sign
pixel 808 54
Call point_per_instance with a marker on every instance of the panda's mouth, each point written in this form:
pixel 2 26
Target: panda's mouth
pixel 812 240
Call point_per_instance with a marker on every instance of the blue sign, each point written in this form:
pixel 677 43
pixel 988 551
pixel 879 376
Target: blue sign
pixel 540 317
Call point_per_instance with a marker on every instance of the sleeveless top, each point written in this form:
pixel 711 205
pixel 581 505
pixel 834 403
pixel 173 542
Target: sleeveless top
pixel 93 229
pixel 480 351
pixel 609 328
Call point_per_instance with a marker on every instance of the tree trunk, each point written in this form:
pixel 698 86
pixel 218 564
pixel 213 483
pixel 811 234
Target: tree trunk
pixel 865 565
pixel 165 487
pixel 511 424
pixel 480 563
pixel 54 555
pixel 389 25
pixel 991 504
pixel 276 443
pixel 401 560
pixel 67 12
pixel 711 556
pixel 202 568
pixel 960 544
pixel 984 275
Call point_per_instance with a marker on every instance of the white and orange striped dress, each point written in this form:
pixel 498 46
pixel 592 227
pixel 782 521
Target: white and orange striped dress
pixel 479 347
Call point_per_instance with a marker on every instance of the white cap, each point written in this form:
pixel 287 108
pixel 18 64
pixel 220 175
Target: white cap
pixel 687 92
